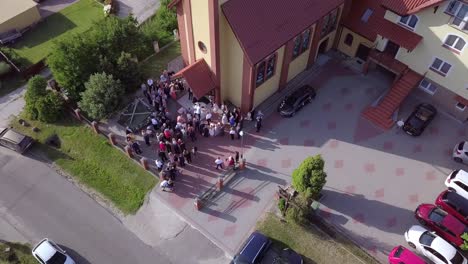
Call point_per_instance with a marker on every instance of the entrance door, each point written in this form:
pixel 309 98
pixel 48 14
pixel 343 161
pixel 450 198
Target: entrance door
pixel 391 48
pixel 323 47
pixel 362 52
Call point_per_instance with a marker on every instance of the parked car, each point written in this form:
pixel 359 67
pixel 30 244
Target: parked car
pixel 14 140
pixel 419 119
pixel 454 204
pixel 457 181
pixel 401 255
pixel 460 152
pixel 445 225
pixel 258 246
pixel 295 101
pixel 432 246
pixel 47 252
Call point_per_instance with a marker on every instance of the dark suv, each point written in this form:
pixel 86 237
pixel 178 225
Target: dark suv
pixel 295 101
pixel 254 249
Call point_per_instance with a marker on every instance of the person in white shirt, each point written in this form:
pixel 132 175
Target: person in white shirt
pixel 167 185
pixel 159 164
pixel 154 122
pixel 150 82
pixel 208 117
pixel 219 163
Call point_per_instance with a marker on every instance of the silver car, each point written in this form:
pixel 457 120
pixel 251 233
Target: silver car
pixel 460 152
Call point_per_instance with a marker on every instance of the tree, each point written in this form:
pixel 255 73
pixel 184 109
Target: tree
pixel 309 178
pixel 36 89
pixel 129 71
pixel 102 95
pixel 50 107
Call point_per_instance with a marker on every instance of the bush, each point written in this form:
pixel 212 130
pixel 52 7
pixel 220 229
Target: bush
pixel 4 68
pixel 282 205
pixel 295 215
pixel 36 89
pixel 102 95
pixel 49 107
pixel 309 178
pixel 160 27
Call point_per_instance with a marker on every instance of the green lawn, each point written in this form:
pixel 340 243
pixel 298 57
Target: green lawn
pixel 18 254
pixel 156 64
pixel 36 44
pixel 95 163
pixel 311 243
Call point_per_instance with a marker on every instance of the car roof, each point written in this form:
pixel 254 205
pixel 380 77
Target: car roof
pixel 462 176
pixel 13 136
pixel 443 247
pixel 44 250
pixel 457 200
pixel 408 256
pixel 255 244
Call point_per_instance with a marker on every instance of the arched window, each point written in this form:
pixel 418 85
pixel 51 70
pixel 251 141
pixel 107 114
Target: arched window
pixel 349 39
pixel 409 21
pixel 455 42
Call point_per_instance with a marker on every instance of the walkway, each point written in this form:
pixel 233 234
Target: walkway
pixel 141 9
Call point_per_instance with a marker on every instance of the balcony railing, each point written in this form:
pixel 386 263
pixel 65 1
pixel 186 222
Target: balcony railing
pixel 387 61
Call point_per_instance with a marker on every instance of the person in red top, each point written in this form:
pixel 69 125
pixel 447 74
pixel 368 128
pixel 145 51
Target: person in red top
pixel 167 134
pixel 162 146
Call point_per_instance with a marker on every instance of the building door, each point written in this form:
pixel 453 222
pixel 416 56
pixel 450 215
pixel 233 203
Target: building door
pixel 323 47
pixel 391 48
pixel 362 52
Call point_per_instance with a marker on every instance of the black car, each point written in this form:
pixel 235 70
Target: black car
pixel 419 119
pixel 14 140
pixel 295 101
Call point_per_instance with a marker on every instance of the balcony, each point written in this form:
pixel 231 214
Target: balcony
pixel 387 61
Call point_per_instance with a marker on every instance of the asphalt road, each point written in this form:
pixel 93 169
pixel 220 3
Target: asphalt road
pixel 36 202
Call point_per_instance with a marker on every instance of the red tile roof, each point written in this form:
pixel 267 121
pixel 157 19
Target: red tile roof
pixel 408 7
pixel 198 76
pixel 262 26
pixel 403 37
pixel 354 22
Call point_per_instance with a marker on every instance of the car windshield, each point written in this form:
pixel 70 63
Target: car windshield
pixel 460 146
pixel 426 238
pixel 239 259
pixel 415 122
pixel 457 259
pixel 290 100
pixel 437 215
pixel 57 258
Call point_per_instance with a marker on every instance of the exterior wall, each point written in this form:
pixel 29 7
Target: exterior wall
pixel 231 63
pixel 201 29
pixel 183 34
pixel 357 40
pixel 269 87
pixel 444 99
pixel 299 64
pixel 331 36
pixel 22 20
pixel 434 29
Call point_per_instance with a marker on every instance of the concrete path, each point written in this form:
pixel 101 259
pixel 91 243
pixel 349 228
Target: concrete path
pixel 141 9
pixel 49 7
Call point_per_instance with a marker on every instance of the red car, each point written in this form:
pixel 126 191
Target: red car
pixel 445 225
pixel 454 204
pixel 401 255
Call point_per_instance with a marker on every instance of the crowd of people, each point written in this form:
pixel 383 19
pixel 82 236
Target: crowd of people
pixel 168 136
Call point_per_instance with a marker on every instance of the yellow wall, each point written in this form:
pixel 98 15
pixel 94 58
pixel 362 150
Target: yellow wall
pixel 22 20
pixel 299 64
pixel 434 29
pixel 269 87
pixel 331 36
pixel 357 40
pixel 201 29
pixel 231 63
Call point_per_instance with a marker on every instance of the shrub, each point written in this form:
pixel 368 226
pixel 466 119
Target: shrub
pixel 295 215
pixel 282 204
pixel 129 71
pixel 4 68
pixel 160 27
pixel 36 89
pixel 49 107
pixel 309 178
pixel 102 95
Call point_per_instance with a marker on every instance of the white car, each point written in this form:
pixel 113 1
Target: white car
pixel 47 252
pixel 457 181
pixel 432 246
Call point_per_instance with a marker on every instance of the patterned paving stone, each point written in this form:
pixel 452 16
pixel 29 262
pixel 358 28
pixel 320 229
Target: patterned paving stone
pixel 391 222
pixel 345 91
pixel 214 216
pixel 434 131
pixel 417 148
pixel 286 163
pixel 309 143
pixel 349 107
pixel 331 125
pixel 461 132
pixel 339 164
pixel 449 152
pixel 413 198
pixel 369 167
pixel 230 230
pixel 351 189
pixel 380 193
pixel 388 145
pixel 305 123
pixel 370 91
pixel 262 162
pixel 284 141
pixel 242 198
pixel 399 171
pixel 359 218
pixel 327 107
pixel 334 144
pixel 431 175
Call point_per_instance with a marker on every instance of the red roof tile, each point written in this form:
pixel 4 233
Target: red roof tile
pixel 198 77
pixel 403 37
pixel 407 7
pixel 363 28
pixel 262 26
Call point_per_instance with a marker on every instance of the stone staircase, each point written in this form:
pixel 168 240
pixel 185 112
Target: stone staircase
pixel 381 115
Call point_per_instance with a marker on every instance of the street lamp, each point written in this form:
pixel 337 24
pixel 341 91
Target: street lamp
pixel 241 133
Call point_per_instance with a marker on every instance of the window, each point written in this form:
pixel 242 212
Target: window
pixel 454 42
pixel 265 70
pixel 459 11
pixel 428 86
pixel 365 17
pixel 301 43
pixel 409 21
pixel 460 106
pixel 349 39
pixel 202 46
pixel 441 67
pixel 329 23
